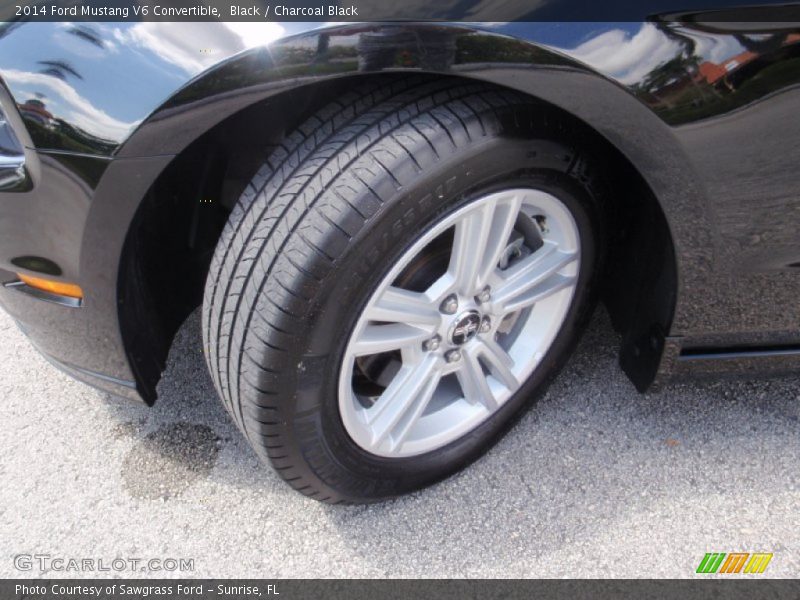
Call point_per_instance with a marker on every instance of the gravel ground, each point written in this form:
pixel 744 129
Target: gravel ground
pixel 596 481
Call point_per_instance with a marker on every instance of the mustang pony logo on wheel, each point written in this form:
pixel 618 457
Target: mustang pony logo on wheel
pixel 466 328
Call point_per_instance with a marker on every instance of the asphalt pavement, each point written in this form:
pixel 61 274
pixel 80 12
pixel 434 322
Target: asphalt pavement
pixel 595 481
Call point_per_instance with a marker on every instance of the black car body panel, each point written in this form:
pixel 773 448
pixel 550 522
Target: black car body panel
pixel 704 111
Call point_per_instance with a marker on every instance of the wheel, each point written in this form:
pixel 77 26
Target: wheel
pixel 400 279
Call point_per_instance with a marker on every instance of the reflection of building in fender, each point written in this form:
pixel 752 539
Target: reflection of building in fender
pixel 34 110
pixel 713 73
pixel 392 47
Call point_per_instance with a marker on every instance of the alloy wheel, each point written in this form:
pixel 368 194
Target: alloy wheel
pixel 435 354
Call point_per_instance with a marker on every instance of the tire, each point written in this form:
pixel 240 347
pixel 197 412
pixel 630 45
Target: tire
pixel 318 229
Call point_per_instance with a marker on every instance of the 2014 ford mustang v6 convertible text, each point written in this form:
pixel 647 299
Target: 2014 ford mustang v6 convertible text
pixel 397 231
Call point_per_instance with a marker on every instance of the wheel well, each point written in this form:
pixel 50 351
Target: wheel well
pixel 173 235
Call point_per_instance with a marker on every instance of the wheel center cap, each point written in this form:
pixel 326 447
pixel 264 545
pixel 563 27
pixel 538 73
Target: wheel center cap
pixel 465 327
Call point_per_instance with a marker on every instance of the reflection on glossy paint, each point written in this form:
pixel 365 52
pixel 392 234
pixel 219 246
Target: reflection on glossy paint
pixel 624 55
pixel 687 73
pixel 194 47
pixel 85 87
pixel 54 108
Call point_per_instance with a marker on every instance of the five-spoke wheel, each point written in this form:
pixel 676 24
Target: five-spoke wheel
pixel 434 353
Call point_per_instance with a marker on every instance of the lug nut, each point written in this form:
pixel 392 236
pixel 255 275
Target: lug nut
pixel 432 344
pixel 486 325
pixel 453 356
pixel 484 296
pixel 449 305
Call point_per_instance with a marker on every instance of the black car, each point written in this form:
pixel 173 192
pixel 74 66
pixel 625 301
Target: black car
pixel 398 231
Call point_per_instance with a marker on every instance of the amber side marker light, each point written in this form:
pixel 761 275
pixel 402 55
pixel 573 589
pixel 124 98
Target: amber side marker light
pixel 54 287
